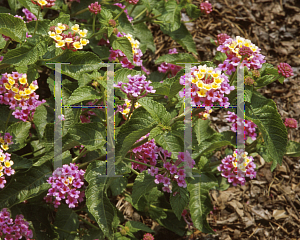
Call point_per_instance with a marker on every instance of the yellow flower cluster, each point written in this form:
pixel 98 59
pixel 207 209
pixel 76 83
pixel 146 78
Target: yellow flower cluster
pixel 23 92
pixel 62 42
pixel 135 44
pixel 126 110
pixel 5 161
pixel 242 166
pixel 238 43
pixel 206 78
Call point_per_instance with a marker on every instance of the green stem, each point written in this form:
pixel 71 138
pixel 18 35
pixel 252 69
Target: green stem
pixel 135 172
pixel 37 21
pixel 5 47
pixel 72 232
pixel 94 22
pixel 31 139
pixel 140 14
pixel 32 152
pixel 116 18
pixel 132 9
pixel 133 101
pixel 129 185
pixel 84 151
pixel 7 120
pixel 141 163
pixel 79 12
pixel 142 20
pixel 164 209
pixel 88 223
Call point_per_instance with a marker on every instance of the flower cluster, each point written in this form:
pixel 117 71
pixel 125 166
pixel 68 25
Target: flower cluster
pixel 5 161
pixel 168 67
pixel 68 40
pixel 205 114
pixel 206 7
pixel 148 236
pixel 183 214
pixel 221 38
pixel 123 6
pixel 232 49
pixel 137 53
pixel 249 127
pixel 132 1
pixel 17 93
pixel 237 166
pixel 135 87
pixel 248 81
pixel 14 229
pixel 290 122
pixel 41 3
pixel 65 183
pixel 285 70
pixel 125 108
pixel 95 8
pixel 29 15
pixel 208 86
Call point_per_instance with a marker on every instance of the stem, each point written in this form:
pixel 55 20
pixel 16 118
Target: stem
pixel 87 222
pixel 60 229
pixel 131 108
pixel 37 21
pixel 142 20
pixel 32 152
pixel 94 22
pixel 7 120
pixel 141 163
pixel 80 155
pixel 164 209
pixel 129 185
pixel 79 12
pixel 120 13
pixel 140 14
pixel 137 173
pixel 132 9
pixel 5 47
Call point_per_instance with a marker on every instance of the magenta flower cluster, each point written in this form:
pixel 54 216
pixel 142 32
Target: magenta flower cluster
pixel 231 48
pixel 5 169
pixel 148 236
pixel 221 38
pixel 206 7
pixel 183 214
pixel 290 122
pixel 213 96
pixel 65 184
pixel 249 127
pixel 29 15
pixel 168 67
pixel 95 8
pixel 13 229
pixel 285 70
pixel 132 1
pixel 20 97
pixel 237 167
pixel 137 87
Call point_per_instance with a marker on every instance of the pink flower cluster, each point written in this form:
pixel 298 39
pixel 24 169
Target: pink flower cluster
pixel 11 229
pixel 231 48
pixel 285 70
pixel 290 122
pixel 29 15
pixel 50 3
pixel 123 6
pixel 249 127
pixel 5 141
pixel 132 1
pixel 65 183
pixel 206 7
pixel 168 67
pixel 135 87
pixel 74 1
pixel 213 96
pixel 183 214
pixel 148 236
pixel 20 97
pixel 237 166
pixel 95 8
pixel 5 169
pixel 221 38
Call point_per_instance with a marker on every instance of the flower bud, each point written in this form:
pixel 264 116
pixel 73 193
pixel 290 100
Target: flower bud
pixel 112 22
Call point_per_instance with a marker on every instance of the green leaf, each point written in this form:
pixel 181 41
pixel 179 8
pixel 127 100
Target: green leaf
pixel 248 93
pixel 121 75
pixel 30 6
pixel 26 185
pixel 118 185
pixel 63 18
pixel 220 56
pixel 155 132
pixel 203 130
pixel 72 116
pixel 192 10
pixel 138 126
pixel 123 44
pixel 135 226
pixel 82 94
pixel 14 5
pixel 175 86
pixel 2 42
pixel 180 200
pixel 171 16
pixel 293 149
pixel 5 10
pixel 20 162
pixel 170 142
pixel 102 51
pixel 176 58
pixel 42 29
pixel 19 132
pixel 156 110
pixel 183 37
pixel 263 112
pixel 142 184
pixel 28 53
pixel 67 220
pixel 41 117
pixel 144 35
pixel 105 16
pixel 172 223
pixel 265 80
pixel 89 134
pixel 200 204
pixel 96 199
pixel 151 4
pixel 12 27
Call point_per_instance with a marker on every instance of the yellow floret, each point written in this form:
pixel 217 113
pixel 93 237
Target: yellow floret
pixel 61 27
pixel 27 91
pixel 2 157
pixel 4 147
pixel 58 38
pixel 58 31
pixel 84 41
pixel 215 86
pixel 207 86
pixel 17 97
pixel 15 89
pixel 42 2
pixel 7 86
pixel 23 80
pixel 52 34
pixel 1 140
pixel 205 115
pixel 218 80
pixel 194 80
pixel 60 44
pixel 202 93
pixel 83 32
pixel 77 45
pixel 75 28
pixel 69 40
pixel 8 163
pixel 200 84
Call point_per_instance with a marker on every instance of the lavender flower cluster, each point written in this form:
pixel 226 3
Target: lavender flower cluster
pixel 168 67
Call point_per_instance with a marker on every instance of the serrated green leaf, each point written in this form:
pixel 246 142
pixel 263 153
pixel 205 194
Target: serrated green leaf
pixel 72 116
pixel 26 185
pixel 14 5
pixel 82 94
pixel 144 35
pixel 28 53
pixel 171 222
pixel 135 226
pixel 248 93
pixel 142 184
pixel 263 112
pixel 171 16
pixel 42 29
pixel 203 130
pixel 192 10
pixel 41 117
pixel 200 204
pixel 220 56
pixel 12 27
pixel 155 132
pixel 2 42
pixel 20 162
pixel 180 200
pixel 63 18
pixel 170 142
pixel 104 16
pixel 176 58
pixel 19 132
pixel 96 199
pixel 30 6
pixel 67 220
pixel 118 185
pixel 123 44
pixel 265 80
